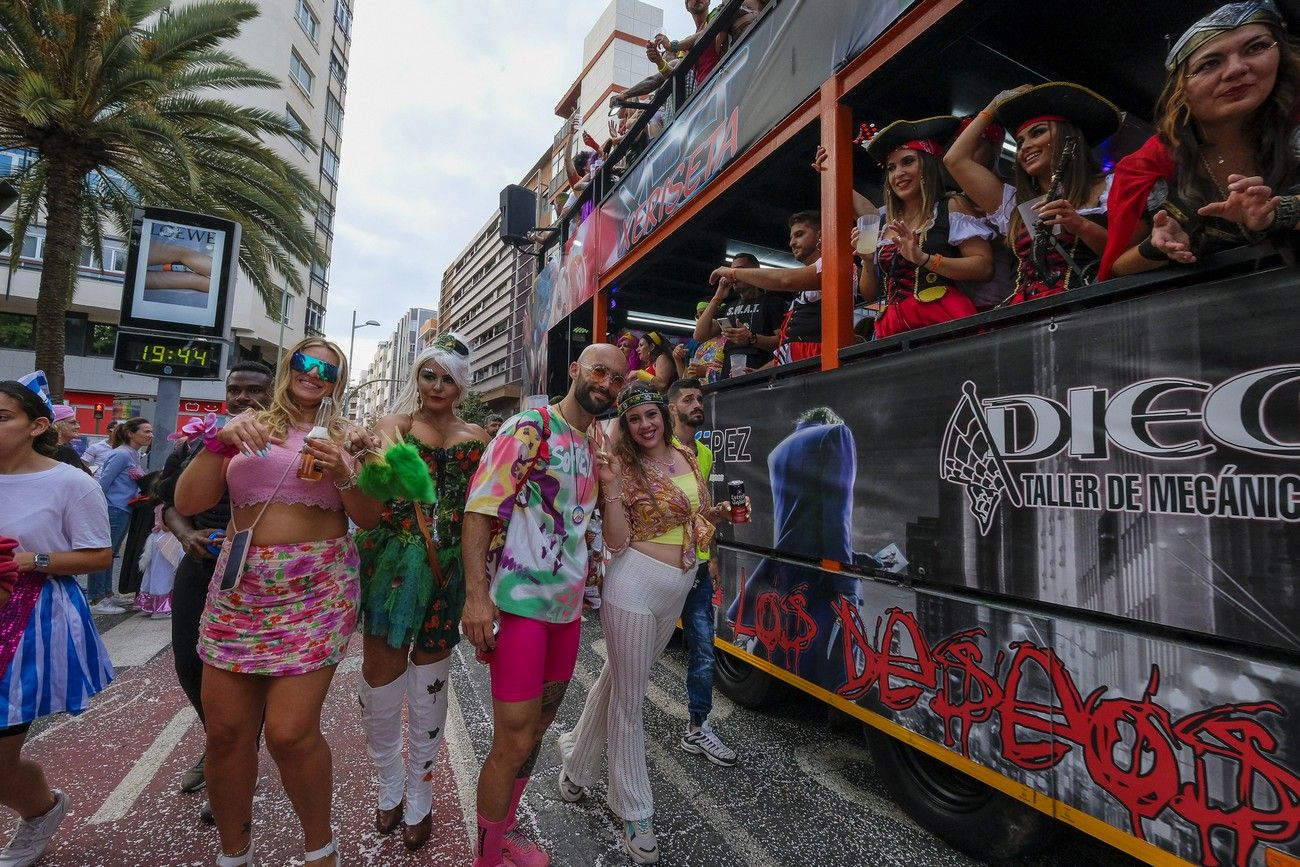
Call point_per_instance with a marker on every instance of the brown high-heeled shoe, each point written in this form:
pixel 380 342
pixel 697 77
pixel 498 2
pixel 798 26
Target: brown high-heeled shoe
pixel 386 820
pixel 415 836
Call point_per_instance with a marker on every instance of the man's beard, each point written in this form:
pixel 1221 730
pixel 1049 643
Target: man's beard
pixel 591 403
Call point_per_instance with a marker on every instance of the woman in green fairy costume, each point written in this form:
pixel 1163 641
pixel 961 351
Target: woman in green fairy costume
pixel 412 588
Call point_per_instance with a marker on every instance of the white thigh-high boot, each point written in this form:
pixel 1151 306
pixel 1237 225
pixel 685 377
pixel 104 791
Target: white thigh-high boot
pixel 381 717
pixel 428 692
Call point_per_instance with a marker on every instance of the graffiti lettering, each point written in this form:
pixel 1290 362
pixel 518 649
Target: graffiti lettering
pixel 1216 769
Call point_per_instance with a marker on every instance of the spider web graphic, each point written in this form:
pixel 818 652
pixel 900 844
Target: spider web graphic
pixel 968 458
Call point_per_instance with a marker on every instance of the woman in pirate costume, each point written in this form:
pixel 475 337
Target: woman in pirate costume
pixel 1226 145
pixel 412 589
pixel 1055 125
pixel 930 241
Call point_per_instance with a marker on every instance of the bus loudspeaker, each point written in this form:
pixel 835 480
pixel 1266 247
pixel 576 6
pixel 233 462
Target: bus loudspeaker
pixel 518 214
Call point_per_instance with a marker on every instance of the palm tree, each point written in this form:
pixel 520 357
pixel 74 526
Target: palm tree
pixel 117 101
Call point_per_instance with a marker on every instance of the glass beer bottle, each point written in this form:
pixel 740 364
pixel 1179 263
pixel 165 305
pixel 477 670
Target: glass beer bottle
pixel 308 470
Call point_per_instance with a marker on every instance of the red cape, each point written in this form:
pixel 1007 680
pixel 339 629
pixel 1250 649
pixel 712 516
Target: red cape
pixel 1135 176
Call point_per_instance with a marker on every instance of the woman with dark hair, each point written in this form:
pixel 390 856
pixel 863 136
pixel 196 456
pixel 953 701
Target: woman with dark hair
pixel 656 513
pixel 53 526
pixel 119 478
pixel 1057 179
pixel 412 609
pixel 1226 142
pixel 931 241
pixel 283 601
pixel 658 367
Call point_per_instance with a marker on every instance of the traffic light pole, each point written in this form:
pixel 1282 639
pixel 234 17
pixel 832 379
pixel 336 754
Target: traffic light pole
pixel 164 419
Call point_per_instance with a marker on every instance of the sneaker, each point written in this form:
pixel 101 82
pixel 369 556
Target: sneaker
pixel 31 838
pixel 106 606
pixel 570 792
pixel 195 779
pixel 519 850
pixel 205 814
pixel 702 741
pixel 126 600
pixel 639 841
pixel 161 615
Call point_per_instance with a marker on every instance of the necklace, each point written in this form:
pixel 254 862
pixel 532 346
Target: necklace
pixel 1213 177
pixel 669 464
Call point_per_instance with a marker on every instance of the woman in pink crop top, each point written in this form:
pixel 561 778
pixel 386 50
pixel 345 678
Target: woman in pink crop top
pixel 271 642
pixel 656 514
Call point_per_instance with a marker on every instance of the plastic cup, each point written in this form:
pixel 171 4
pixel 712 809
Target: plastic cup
pixel 868 234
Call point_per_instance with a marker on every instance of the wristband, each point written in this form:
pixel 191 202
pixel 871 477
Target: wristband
pixel 1148 250
pixel 347 485
pixel 217 447
pixel 663 68
pixel 985 113
pixel 1287 214
pixel 932 264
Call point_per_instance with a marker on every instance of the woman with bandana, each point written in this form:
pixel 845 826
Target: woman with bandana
pixel 1055 125
pixel 655 514
pixel 1223 167
pixel 412 610
pixel 53 526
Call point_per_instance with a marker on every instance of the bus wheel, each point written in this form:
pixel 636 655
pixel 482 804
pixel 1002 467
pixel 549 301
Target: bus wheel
pixel 963 812
pixel 744 683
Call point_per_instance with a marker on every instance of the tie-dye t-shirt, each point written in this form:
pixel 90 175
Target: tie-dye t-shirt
pixel 542 566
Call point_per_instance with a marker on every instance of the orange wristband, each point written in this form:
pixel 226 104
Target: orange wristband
pixel 935 261
pixel 985 113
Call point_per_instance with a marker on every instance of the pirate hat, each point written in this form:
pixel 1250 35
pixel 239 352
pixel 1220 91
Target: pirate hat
pixel 928 134
pixel 1096 116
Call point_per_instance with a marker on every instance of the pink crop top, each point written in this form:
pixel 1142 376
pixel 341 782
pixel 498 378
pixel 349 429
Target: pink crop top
pixel 251 480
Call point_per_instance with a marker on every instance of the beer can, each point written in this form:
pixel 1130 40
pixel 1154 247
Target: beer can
pixel 736 497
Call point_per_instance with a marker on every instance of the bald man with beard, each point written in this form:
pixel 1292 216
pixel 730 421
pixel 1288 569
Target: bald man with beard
pixel 537 482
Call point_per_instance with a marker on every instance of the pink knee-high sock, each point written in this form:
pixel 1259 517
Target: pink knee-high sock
pixel 489 842
pixel 511 817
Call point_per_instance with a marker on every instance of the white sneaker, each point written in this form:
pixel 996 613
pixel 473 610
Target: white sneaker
pixel 106 606
pixel 31 838
pixel 639 841
pixel 570 792
pixel 161 615
pixel 703 741
pixel 126 600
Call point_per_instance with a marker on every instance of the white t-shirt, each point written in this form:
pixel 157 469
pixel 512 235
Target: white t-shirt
pixel 59 509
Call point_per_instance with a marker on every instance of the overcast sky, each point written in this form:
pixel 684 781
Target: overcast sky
pixel 446 104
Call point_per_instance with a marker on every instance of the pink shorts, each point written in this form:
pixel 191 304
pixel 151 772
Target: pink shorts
pixel 530 653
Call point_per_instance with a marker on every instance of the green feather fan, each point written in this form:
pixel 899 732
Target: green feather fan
pixel 398 473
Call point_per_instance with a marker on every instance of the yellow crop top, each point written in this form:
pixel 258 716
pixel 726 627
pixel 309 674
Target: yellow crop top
pixel 686 482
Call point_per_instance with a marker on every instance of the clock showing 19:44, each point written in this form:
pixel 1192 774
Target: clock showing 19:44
pixel 164 355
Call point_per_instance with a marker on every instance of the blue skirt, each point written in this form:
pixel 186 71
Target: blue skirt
pixel 61 661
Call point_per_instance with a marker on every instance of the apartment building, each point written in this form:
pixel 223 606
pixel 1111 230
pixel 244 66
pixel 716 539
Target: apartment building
pixel 306 43
pixel 486 287
pixel 390 368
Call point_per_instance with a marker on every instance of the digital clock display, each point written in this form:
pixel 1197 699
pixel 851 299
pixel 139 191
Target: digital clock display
pixel 181 357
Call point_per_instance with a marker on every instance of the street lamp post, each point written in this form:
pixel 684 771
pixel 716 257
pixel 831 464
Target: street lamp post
pixel 352 341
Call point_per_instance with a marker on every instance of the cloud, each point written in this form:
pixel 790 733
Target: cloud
pixel 446 104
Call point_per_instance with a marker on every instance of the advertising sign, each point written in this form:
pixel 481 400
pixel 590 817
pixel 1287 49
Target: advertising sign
pixel 180 272
pixel 1082 538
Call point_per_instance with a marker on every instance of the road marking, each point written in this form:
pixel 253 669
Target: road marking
pixel 137 640
pixel 464 765
pixel 657 695
pixel 824 764
pixel 722 706
pixel 671 771
pixel 121 799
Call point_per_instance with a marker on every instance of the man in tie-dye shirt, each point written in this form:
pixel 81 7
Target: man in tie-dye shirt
pixel 535 490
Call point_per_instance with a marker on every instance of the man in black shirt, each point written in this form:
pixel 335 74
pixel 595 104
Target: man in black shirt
pixel 755 317
pixel 248 386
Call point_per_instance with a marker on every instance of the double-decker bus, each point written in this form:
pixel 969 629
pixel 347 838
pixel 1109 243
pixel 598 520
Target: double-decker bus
pixel 1049 555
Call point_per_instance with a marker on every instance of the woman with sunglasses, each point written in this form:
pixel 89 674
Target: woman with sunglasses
pixel 655 514
pixel 1057 178
pixel 274 630
pixel 1225 146
pixel 412 611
